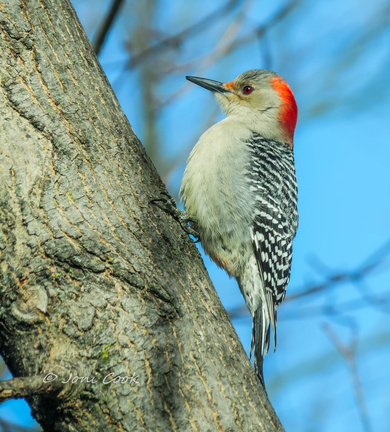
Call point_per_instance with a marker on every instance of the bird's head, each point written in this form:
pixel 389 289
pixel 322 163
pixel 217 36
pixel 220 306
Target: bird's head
pixel 259 98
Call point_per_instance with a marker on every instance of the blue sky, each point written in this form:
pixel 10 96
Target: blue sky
pixel 336 58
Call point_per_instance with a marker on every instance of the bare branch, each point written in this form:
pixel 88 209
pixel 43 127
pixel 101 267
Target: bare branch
pixel 374 262
pixel 101 34
pixel 260 30
pixel 17 388
pixel 329 310
pixel 349 353
pixel 179 38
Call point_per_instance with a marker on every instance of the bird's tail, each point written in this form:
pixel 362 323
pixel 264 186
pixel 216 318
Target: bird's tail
pixel 260 338
pixel 263 310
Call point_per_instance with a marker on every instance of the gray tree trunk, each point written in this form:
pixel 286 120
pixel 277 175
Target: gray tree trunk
pixel 94 279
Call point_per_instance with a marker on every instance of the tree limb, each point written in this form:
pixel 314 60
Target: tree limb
pixel 22 387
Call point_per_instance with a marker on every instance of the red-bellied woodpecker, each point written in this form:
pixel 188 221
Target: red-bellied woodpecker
pixel 239 188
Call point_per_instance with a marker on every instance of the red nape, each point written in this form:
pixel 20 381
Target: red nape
pixel 289 110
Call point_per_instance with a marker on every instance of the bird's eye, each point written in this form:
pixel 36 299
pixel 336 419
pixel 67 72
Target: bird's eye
pixel 247 89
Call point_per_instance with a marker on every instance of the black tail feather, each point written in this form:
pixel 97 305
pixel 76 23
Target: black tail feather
pixel 260 339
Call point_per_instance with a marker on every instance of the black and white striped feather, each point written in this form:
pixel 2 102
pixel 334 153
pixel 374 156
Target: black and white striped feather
pixel 274 186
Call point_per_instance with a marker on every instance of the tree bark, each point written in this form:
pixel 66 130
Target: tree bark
pixel 94 279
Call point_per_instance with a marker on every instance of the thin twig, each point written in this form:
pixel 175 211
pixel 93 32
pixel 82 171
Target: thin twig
pixel 349 353
pixel 101 34
pixel 373 262
pixel 177 39
pixel 260 30
pixel 338 278
pixel 339 309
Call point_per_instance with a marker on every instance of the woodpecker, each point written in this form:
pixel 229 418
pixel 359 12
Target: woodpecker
pixel 239 189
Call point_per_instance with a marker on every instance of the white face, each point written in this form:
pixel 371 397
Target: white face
pixel 250 92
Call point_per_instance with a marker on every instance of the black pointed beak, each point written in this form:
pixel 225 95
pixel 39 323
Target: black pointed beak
pixel 214 86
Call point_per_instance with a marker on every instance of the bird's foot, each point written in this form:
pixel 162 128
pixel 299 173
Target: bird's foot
pixel 168 204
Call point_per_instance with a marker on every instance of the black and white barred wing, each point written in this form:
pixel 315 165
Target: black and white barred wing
pixel 273 254
pixel 274 227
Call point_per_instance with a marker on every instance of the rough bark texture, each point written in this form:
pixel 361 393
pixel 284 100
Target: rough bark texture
pixel 95 280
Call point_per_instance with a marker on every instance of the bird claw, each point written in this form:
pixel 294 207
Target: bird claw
pixel 170 207
pixel 169 204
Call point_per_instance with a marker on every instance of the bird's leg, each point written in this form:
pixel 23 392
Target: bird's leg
pixel 168 204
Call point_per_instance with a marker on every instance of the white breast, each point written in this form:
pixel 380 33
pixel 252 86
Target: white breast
pixel 214 187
